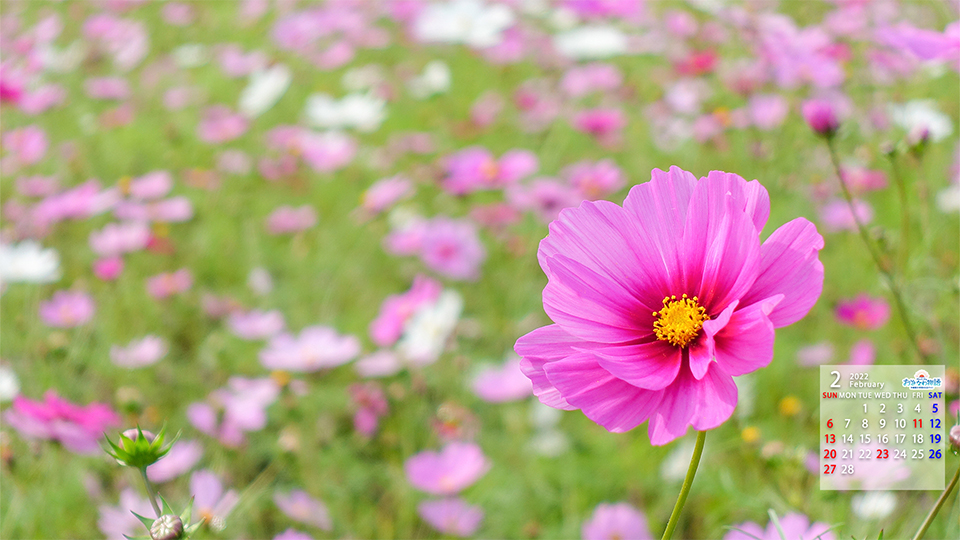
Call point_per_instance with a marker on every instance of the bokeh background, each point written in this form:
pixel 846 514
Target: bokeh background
pixel 207 207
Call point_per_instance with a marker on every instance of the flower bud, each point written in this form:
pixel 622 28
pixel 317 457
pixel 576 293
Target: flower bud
pixel 820 116
pixel 955 437
pixel 138 448
pixel 167 527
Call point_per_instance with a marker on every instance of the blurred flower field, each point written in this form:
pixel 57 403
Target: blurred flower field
pixel 306 236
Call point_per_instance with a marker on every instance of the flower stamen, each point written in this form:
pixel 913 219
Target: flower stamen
pixel 680 320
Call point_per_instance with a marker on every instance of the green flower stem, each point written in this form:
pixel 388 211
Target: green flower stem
pixel 685 489
pixel 904 212
pixel 151 494
pixel 936 507
pixel 891 282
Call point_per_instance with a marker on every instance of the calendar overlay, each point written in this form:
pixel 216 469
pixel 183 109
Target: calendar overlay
pixel 882 427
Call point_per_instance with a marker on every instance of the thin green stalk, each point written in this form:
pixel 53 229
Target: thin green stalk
pixel 891 282
pixel 151 494
pixel 936 507
pixel 904 213
pixel 685 489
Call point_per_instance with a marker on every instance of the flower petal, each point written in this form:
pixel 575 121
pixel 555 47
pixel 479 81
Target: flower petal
pixel 789 265
pixel 659 208
pixel 604 238
pixel 603 398
pixel 746 343
pixel 720 247
pixel 716 398
pixel 676 408
pixel 755 199
pixel 703 350
pixel 546 344
pixel 651 366
pixel 591 306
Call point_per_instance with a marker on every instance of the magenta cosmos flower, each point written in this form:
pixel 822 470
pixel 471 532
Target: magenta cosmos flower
pixel 658 304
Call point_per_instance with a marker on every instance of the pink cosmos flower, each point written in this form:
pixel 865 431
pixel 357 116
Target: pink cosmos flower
pixel 864 312
pixel 794 526
pixel 821 116
pixel 385 193
pixel 397 309
pixel 863 353
pixel 293 534
pixel 108 269
pixel 41 98
pixel 140 352
pixel 474 168
pixel 26 145
pixel 449 471
pixel 382 363
pixel 256 324
pixel 316 348
pixel 243 403
pixel 658 304
pixel 371 404
pixel 594 180
pixel 152 185
pixel 613 521
pixel 327 151
pixel 604 124
pixel 177 13
pixel 816 354
pixel 220 125
pixel 545 197
pixel 502 384
pixel 77 427
pixel 181 458
pixel 452 248
pixel 287 219
pixel 166 285
pixel 107 88
pixel 209 500
pixel 299 505
pixel 836 215
pixel 118 522
pixel 67 309
pixel 38 186
pixel 862 180
pixel 235 63
pixel 767 111
pixel 579 81
pixel 119 238
pixel 451 516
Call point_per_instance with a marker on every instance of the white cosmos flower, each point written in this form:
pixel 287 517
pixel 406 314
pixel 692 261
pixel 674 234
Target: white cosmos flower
pixel 191 55
pixel 948 200
pixel 471 22
pixel 435 79
pixel 363 112
pixel 922 113
pixel 28 262
pixel 873 504
pixel 9 384
pixel 426 333
pixel 265 88
pixel 591 42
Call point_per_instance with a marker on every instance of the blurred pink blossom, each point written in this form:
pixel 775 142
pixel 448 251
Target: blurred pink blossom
pixel 327 151
pixel 118 522
pixel 767 111
pixel 503 383
pixel 37 186
pixel 182 457
pixel 166 285
pixel 67 309
pixel 234 162
pixel 300 506
pixel 605 124
pixel 862 180
pixel 42 98
pixel 474 168
pixel 816 354
pixel 108 269
pixel 384 193
pixel 152 185
pixel 821 116
pixel 397 309
pixel 177 13
pixel 119 238
pixel 579 81
pixel 76 427
pixel 141 352
pixel 220 124
pixel 864 312
pixel 25 146
pixel 382 363
pixel 594 180
pixel 619 520
pixel 863 353
pixel 546 197
pixel 235 63
pixel 255 324
pixel 107 88
pixel 451 516
pixel 486 109
pixel 209 500
pixel 315 348
pixel 243 403
pixel 449 471
pixel 452 248
pixel 370 404
pixel 287 219
pixel 836 215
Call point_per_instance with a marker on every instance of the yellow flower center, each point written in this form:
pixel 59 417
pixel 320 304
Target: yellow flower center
pixel 680 320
